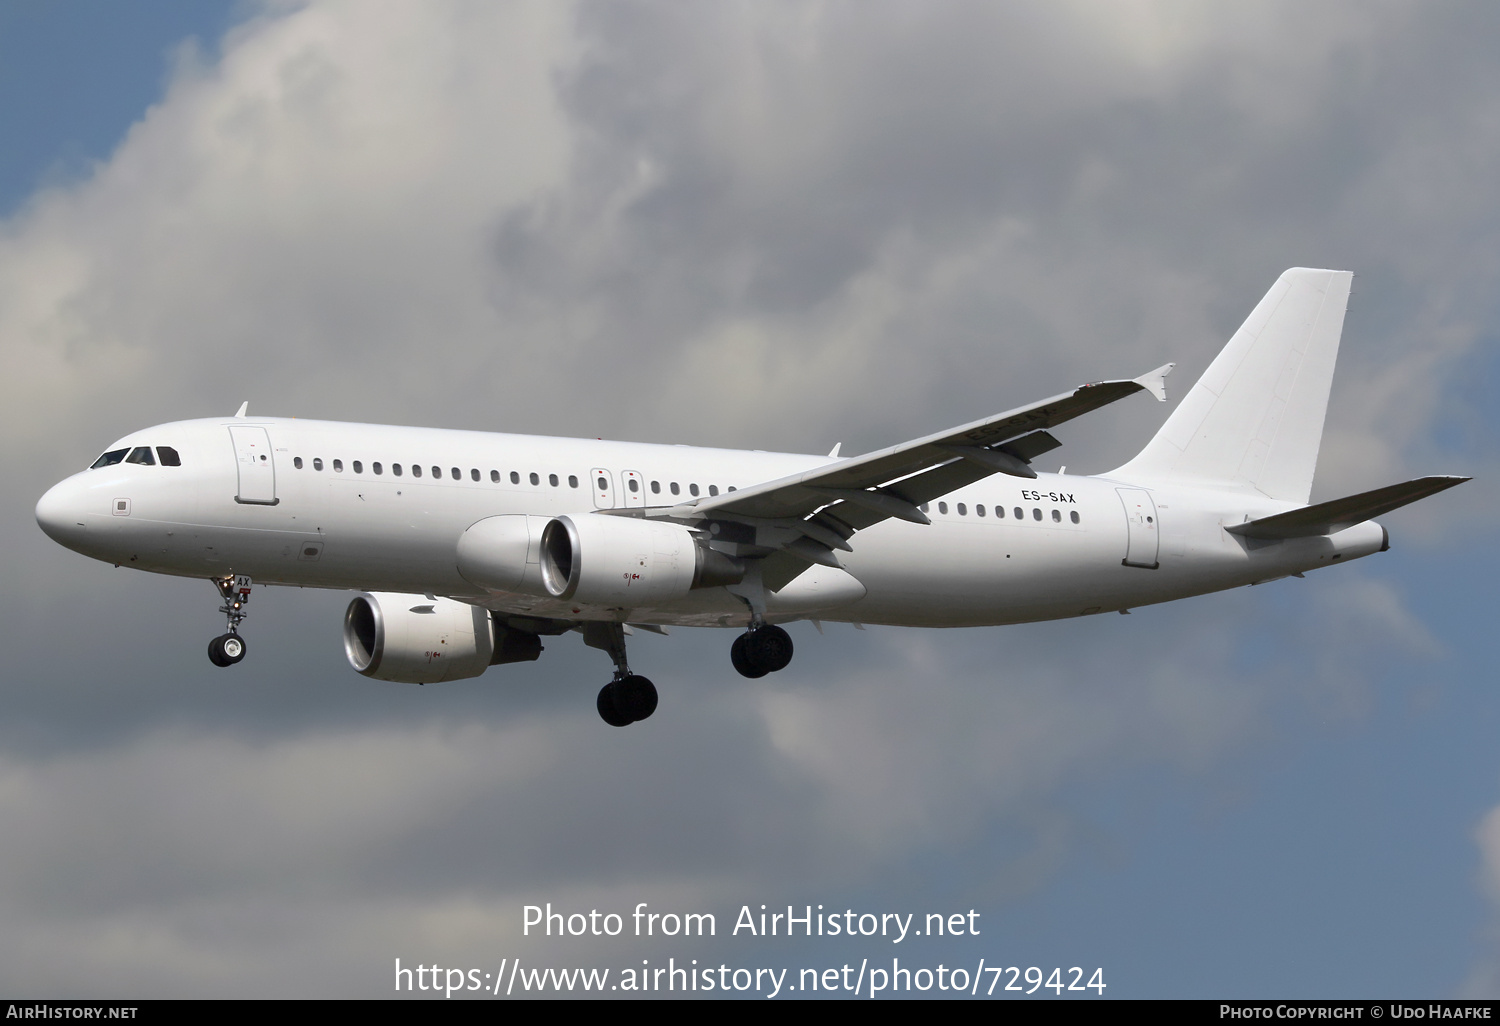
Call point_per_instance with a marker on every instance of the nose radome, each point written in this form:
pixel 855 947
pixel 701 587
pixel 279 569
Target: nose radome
pixel 59 513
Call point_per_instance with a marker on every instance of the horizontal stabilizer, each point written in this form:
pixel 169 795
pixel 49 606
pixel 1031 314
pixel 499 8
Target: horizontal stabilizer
pixel 1338 514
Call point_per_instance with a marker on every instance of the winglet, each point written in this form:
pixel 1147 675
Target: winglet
pixel 834 452
pixel 1155 381
pixel 244 409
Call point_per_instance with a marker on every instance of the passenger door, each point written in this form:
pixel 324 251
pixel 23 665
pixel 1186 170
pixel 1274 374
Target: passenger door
pixel 1143 541
pixel 257 465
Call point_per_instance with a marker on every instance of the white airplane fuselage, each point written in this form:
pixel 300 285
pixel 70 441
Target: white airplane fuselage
pixel 469 547
pixel 1056 546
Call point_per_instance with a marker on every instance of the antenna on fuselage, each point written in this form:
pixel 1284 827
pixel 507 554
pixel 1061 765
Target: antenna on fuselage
pixel 243 410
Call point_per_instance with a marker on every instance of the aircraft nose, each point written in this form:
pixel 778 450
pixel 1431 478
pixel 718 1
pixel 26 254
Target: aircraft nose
pixel 59 513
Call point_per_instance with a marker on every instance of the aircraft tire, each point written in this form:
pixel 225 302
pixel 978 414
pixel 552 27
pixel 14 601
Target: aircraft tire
pixel 607 710
pixel 770 648
pixel 635 697
pixel 216 652
pixel 744 661
pixel 233 647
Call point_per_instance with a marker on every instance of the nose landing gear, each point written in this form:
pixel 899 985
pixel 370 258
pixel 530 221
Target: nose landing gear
pixel 229 648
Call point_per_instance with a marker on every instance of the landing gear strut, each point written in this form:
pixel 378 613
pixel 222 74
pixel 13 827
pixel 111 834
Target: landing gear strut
pixel 629 697
pixel 229 648
pixel 761 650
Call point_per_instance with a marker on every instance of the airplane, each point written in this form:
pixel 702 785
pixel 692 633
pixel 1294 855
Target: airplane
pixel 467 548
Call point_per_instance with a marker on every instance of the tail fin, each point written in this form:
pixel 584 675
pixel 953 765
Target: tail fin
pixel 1255 418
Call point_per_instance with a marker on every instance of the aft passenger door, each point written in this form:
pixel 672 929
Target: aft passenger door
pixel 257 467
pixel 1143 542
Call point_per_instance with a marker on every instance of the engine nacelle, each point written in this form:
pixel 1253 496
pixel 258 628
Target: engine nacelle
pixel 625 561
pixel 501 553
pixel 413 639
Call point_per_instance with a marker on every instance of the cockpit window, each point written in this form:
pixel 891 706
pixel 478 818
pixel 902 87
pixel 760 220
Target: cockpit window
pixel 110 458
pixel 141 454
pixel 168 456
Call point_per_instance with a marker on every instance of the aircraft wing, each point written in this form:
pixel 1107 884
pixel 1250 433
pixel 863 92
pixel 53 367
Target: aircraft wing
pixel 867 489
pixel 1337 514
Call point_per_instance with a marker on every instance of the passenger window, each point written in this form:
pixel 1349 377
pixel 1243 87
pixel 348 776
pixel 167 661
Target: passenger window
pixel 1073 516
pixel 416 470
pixel 536 480
pixel 692 489
pixel 1020 514
pixel 925 507
pixel 572 480
pixel 515 478
pixel 338 466
pixel 979 511
pixel 297 462
pixel 1057 516
pixel 359 468
pixel 675 489
pixel 942 507
pixel 168 456
pixel 634 485
pixel 141 454
pixel 474 474
pixel 1036 514
pixel 655 487
pixel 375 467
pixel 317 463
pixel 713 489
pixel 999 512
pixel 396 470
pixel 109 459
pixel 731 488
pixel 494 477
pixel 963 510
pixel 455 473
pixel 437 473
pixel 552 480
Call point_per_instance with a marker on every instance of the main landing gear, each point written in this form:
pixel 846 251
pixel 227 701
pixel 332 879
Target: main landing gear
pixel 229 648
pixel 761 650
pixel 629 697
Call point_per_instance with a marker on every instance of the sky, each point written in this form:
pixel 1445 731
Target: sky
pixel 772 226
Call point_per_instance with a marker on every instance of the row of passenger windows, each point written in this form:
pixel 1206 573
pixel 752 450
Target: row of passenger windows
pixel 141 454
pixel 457 474
pixel 962 510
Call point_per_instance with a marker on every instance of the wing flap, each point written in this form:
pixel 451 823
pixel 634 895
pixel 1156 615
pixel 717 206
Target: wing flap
pixel 1337 514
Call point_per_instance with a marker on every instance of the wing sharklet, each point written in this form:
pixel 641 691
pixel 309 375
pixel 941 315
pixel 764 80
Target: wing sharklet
pixel 1155 381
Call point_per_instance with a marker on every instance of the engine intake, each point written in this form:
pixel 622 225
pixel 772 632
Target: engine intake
pixel 413 639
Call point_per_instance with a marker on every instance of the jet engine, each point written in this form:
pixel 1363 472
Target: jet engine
pixel 625 561
pixel 413 639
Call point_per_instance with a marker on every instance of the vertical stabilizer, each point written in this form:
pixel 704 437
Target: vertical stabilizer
pixel 1255 418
